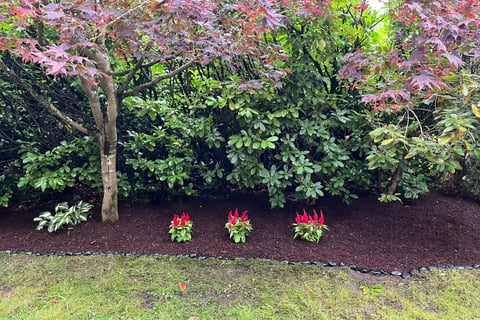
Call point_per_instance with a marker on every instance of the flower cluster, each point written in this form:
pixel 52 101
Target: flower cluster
pixel 309 228
pixel 238 227
pixel 181 228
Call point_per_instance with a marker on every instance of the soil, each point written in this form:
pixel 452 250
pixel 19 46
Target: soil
pixel 434 230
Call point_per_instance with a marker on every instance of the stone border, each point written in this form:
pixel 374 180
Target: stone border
pixel 353 267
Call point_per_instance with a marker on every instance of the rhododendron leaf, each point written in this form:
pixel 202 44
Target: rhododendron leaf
pixel 387 142
pixel 443 140
pixel 475 110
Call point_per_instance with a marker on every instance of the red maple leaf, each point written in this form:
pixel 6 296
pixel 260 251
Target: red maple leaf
pixel 21 12
pixel 426 80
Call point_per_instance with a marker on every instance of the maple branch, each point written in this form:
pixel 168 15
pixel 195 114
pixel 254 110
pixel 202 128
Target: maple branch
pixel 155 81
pixel 134 68
pixel 130 74
pixel 101 35
pixel 41 34
pixel 94 102
pixel 159 3
pixel 44 102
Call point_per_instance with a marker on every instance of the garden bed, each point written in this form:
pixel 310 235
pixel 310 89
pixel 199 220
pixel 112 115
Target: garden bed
pixel 434 230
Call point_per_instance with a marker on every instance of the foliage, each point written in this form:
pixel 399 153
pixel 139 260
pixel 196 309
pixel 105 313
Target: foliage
pixel 64 215
pixel 300 141
pixel 110 48
pixel 61 167
pixel 238 226
pixel 422 87
pixel 309 228
pixel 181 228
pixel 228 123
pixel 470 184
pixel 24 125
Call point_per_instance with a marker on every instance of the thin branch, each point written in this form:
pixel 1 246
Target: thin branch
pixel 140 88
pixel 44 102
pixel 419 122
pixel 102 34
pixel 131 74
pixel 317 66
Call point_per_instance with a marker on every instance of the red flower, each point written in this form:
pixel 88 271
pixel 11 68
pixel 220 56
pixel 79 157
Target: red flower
pixel 298 219
pixel 305 216
pixel 233 217
pixel 315 220
pixel 244 217
pixel 322 219
pixel 185 219
pixel 175 221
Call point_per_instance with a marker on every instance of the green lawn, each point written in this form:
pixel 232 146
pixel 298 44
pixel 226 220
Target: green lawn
pixel 116 287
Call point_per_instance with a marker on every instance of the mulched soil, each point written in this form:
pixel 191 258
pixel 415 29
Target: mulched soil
pixel 434 230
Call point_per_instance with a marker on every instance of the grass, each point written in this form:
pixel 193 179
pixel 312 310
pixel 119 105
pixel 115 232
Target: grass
pixel 116 287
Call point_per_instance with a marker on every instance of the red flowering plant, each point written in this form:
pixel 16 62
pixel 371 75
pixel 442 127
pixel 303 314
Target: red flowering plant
pixel 238 226
pixel 181 228
pixel 309 228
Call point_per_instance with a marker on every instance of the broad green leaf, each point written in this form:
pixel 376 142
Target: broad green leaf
pixel 387 142
pixel 410 155
pixel 267 144
pixel 475 110
pixel 443 140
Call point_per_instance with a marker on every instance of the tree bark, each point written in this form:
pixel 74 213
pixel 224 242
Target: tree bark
pixel 108 155
pixel 105 114
pixel 395 180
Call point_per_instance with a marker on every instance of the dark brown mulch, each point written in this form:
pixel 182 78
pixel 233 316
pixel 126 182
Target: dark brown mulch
pixel 435 230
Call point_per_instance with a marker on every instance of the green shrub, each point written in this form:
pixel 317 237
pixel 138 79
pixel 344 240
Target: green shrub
pixel 470 183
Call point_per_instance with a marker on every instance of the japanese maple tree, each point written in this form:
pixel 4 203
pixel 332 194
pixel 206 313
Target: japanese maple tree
pixel 422 85
pixel 105 44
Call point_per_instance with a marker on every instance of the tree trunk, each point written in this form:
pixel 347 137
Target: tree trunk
pixel 108 155
pixel 395 180
pixel 105 113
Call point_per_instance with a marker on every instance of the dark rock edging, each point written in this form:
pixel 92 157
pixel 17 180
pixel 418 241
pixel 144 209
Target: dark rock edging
pixel 330 264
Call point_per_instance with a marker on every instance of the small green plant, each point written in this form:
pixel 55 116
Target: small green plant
pixel 181 228
pixel 389 197
pixel 309 228
pixel 64 215
pixel 374 290
pixel 238 227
